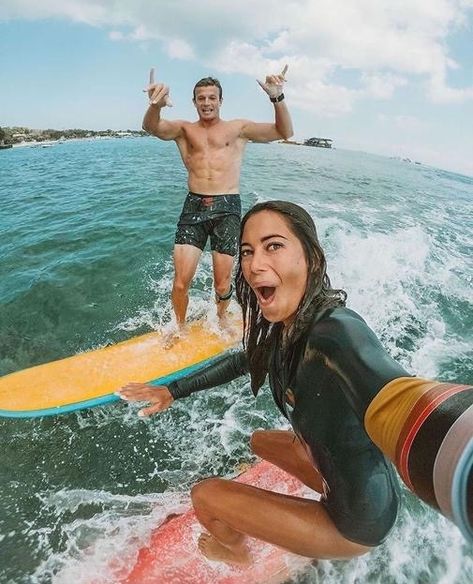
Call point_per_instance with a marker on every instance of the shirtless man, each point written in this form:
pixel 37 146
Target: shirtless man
pixel 212 151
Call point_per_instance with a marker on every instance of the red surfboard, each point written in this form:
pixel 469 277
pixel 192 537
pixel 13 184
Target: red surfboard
pixel 172 556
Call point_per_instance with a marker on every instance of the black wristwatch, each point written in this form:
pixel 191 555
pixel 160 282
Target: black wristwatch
pixel 277 99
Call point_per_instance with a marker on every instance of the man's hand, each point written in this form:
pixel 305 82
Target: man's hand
pixel 274 84
pixel 158 395
pixel 158 93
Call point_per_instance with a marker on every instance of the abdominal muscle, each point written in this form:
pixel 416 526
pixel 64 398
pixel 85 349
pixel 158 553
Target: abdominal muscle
pixel 214 175
pixel 213 164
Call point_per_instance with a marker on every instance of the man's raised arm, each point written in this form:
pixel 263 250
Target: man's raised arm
pixel 282 127
pixel 158 95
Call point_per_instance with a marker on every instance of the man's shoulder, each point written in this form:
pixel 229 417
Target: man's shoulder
pixel 215 125
pixel 236 123
pixel 231 129
pixel 241 122
pixel 188 128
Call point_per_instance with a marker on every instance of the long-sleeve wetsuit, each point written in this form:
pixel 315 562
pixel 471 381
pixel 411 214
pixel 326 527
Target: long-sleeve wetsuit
pixel 339 366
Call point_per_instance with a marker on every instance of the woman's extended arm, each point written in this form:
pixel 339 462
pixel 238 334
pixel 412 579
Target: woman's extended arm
pixel 218 372
pixel 160 397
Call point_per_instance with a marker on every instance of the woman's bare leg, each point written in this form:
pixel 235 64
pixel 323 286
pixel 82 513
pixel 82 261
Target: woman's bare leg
pixel 284 449
pixel 231 510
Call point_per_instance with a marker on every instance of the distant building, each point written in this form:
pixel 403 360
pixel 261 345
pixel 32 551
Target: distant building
pixel 319 142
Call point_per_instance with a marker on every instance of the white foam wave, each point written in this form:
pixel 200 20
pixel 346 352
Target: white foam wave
pixel 393 280
pixel 105 545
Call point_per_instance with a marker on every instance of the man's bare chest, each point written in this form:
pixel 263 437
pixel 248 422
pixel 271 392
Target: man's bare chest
pixel 213 140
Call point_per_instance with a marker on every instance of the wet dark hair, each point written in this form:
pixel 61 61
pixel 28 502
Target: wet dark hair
pixel 209 82
pixel 259 334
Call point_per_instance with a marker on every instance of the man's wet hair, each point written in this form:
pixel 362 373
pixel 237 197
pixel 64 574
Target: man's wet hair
pixel 209 82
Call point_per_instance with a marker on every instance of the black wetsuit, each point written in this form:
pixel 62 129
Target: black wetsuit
pixel 339 366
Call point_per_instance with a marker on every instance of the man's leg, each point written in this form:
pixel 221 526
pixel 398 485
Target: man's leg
pixel 223 267
pixel 224 245
pixel 186 258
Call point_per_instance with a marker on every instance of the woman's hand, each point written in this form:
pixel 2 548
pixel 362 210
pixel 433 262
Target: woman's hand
pixel 158 396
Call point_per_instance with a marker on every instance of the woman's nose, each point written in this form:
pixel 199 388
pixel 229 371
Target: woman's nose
pixel 258 262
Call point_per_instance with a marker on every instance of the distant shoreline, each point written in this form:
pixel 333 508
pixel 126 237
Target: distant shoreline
pixel 46 143
pixel 23 136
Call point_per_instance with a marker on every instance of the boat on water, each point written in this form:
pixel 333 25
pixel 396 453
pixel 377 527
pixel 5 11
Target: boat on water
pixel 319 142
pixel 5 146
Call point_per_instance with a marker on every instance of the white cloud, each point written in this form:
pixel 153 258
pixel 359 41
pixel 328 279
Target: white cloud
pixel 382 86
pixel 385 44
pixel 87 11
pixel 179 49
pixel 142 33
pixel 440 92
pixel 324 99
pixel 246 58
pixel 406 123
pixel 116 35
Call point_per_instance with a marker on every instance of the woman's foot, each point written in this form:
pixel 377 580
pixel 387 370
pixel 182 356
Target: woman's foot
pixel 212 549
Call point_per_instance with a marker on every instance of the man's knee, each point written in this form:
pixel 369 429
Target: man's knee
pixel 181 285
pixel 223 292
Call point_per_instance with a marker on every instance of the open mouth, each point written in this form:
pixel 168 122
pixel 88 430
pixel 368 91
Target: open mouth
pixel 265 294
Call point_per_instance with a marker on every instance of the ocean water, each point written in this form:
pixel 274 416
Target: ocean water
pixel 85 260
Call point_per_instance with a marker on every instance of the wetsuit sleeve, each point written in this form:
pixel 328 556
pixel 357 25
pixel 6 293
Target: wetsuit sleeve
pixel 355 355
pixel 218 372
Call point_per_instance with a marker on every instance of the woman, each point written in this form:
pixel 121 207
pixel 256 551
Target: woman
pixel 326 369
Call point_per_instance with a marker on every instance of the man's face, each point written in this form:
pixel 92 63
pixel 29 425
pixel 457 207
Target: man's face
pixel 207 102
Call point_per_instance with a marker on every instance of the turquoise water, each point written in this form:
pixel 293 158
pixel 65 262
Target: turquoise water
pixel 85 260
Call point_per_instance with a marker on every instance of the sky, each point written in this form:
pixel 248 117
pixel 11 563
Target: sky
pixel 391 77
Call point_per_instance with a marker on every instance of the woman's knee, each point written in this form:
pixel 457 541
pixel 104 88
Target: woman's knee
pixel 207 490
pixel 257 441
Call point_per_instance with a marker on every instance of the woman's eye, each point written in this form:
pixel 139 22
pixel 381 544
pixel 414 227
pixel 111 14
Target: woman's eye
pixel 245 253
pixel 274 246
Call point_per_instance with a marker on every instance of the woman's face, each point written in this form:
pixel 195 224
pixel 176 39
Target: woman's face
pixel 274 265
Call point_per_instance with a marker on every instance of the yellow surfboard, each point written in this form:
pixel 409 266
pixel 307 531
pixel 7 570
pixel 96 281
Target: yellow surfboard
pixel 90 379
